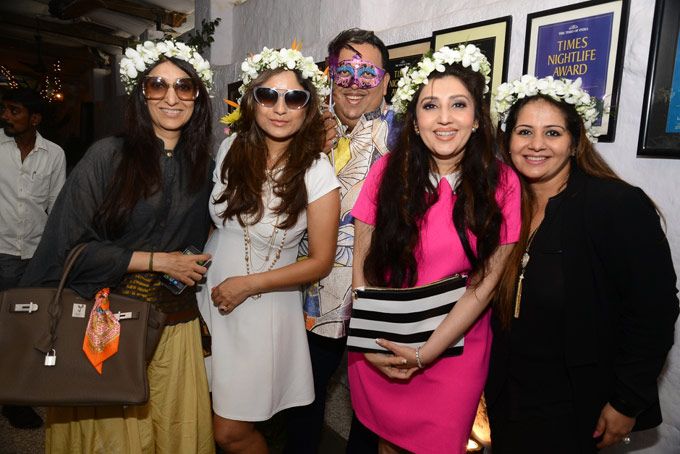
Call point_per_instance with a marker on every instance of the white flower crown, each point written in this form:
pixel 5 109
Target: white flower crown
pixel 561 90
pixel 290 59
pixel 411 77
pixel 137 60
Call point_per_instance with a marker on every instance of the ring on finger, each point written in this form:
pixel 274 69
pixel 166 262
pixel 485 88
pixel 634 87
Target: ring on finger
pixel 626 439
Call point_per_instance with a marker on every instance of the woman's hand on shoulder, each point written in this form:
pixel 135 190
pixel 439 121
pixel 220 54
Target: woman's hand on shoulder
pixel 183 267
pixel 231 292
pixel 612 426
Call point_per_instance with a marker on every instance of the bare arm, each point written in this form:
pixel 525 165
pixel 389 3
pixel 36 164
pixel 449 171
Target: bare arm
pixel 462 316
pixel 178 265
pixel 473 302
pixel 322 226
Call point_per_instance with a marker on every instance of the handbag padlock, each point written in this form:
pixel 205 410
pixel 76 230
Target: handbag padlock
pixel 51 358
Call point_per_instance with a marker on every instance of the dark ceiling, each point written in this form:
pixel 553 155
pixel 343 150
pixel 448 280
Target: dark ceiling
pixel 83 34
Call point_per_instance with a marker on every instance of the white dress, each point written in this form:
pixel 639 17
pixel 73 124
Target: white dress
pixel 260 357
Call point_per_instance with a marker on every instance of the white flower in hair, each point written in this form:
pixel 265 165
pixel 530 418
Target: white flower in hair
pixel 561 90
pixel 291 59
pixel 469 56
pixel 139 58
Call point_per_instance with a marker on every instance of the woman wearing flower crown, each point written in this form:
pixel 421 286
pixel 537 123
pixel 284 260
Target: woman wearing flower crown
pixel 441 179
pixel 138 200
pixel 587 304
pixel 272 184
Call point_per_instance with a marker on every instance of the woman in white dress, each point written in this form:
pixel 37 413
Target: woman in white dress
pixel 272 184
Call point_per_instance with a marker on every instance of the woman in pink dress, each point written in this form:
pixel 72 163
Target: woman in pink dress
pixel 441 181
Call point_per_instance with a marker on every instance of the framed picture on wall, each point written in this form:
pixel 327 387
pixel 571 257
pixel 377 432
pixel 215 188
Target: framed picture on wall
pixel 585 40
pixel 491 36
pixel 660 122
pixel 402 55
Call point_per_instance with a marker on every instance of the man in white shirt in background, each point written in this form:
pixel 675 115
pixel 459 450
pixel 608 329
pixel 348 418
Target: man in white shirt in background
pixel 32 172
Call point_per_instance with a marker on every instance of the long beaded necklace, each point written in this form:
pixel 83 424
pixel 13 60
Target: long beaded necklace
pixel 525 262
pixel 271 245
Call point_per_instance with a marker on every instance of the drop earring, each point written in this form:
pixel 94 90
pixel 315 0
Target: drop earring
pixel 415 128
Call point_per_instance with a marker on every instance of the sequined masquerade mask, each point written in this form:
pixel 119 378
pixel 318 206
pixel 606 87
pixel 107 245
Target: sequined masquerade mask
pixel 356 71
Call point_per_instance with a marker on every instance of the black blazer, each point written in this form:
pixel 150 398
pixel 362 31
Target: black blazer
pixel 621 301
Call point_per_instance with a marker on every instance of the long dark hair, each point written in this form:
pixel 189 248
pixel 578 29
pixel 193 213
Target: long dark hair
pixel 585 157
pixel 406 194
pixel 139 175
pixel 245 166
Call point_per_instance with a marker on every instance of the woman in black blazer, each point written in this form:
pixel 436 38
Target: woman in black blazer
pixel 585 312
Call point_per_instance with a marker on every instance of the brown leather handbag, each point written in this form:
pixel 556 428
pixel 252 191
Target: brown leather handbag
pixel 42 362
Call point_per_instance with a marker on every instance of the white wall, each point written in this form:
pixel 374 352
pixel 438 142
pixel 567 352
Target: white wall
pixel 275 23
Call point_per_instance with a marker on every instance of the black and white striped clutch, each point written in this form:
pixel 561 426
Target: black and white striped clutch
pixel 407 316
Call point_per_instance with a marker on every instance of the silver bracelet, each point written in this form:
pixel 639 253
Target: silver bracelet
pixel 418 362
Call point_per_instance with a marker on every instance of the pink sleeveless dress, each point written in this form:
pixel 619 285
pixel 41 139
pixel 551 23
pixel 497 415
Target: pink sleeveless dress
pixel 434 411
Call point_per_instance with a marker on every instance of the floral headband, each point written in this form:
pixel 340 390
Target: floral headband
pixel 139 59
pixel 290 59
pixel 412 77
pixel 561 90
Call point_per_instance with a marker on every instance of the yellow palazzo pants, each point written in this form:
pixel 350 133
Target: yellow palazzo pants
pixel 177 418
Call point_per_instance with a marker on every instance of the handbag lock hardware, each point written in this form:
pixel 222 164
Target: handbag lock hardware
pixel 51 358
pixel 126 315
pixel 25 307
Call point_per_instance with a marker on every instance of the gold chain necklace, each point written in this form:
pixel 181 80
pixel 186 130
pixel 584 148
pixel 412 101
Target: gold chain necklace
pixel 270 247
pixel 525 262
pixel 271 242
pixel 247 243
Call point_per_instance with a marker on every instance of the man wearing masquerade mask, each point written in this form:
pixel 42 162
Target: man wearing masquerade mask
pixel 358 67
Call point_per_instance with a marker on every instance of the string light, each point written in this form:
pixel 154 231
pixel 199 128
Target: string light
pixel 51 88
pixel 7 75
pixel 58 91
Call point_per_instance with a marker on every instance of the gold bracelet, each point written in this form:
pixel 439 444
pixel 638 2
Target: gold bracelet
pixel 151 262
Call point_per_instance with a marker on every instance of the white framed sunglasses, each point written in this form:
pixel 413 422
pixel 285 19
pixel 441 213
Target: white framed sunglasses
pixel 268 97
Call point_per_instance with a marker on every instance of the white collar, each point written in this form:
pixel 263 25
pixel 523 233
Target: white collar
pixel 452 178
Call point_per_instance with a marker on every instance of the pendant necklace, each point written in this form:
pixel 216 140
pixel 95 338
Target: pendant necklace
pixel 525 262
